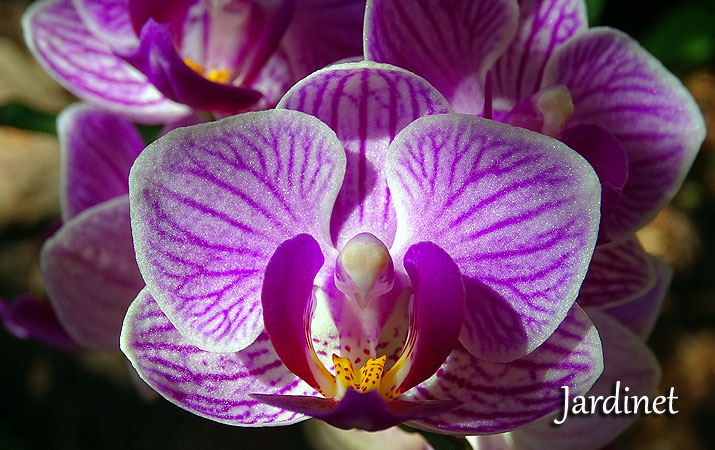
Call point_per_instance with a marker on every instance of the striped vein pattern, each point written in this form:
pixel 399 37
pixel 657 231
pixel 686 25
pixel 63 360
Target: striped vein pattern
pixel 108 19
pixel 619 273
pixel 498 397
pixel 517 211
pixel 543 27
pixel 98 149
pixel 85 64
pixel 450 43
pixel 211 203
pixel 212 385
pixel 626 359
pixel 367 105
pixel 616 85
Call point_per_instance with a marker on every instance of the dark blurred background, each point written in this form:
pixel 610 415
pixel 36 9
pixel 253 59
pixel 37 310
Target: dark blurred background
pixel 56 400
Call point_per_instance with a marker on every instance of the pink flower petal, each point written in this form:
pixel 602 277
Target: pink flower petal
pixel 86 65
pixel 366 104
pixel 91 275
pixel 217 386
pixel 450 44
pixel 616 85
pixel 516 210
pixel 211 203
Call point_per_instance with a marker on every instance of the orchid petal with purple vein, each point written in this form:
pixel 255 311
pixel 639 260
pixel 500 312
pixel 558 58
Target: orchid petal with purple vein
pixel 109 20
pixel 211 203
pixel 498 397
pixel 86 65
pixel 212 385
pixel 619 273
pixel 451 44
pixel 97 150
pixel 91 274
pixel 626 360
pixel 366 104
pixel 616 85
pixel 641 313
pixel 543 27
pixel 516 210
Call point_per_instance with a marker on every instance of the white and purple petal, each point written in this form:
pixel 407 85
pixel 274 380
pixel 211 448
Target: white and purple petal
pixel 498 397
pixel 97 150
pixel 451 44
pixel 109 20
pixel 628 361
pixel 211 203
pixel 618 86
pixel 91 275
pixel 543 27
pixel 619 273
pixel 516 210
pixel 216 386
pixel 87 66
pixel 641 313
pixel 367 104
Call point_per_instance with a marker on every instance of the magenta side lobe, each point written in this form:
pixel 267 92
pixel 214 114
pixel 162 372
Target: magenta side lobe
pixel 498 397
pixel 287 300
pixel 157 58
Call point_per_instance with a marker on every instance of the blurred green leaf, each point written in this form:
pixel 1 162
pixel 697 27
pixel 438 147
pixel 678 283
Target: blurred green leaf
pixel 20 116
pixel 684 36
pixel 595 9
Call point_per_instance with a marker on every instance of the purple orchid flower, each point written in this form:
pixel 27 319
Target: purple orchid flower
pixel 152 61
pixel 321 259
pixel 88 265
pixel 535 64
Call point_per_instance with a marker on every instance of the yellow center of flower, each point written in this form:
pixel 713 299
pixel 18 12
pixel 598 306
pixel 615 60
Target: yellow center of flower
pixel 366 380
pixel 217 75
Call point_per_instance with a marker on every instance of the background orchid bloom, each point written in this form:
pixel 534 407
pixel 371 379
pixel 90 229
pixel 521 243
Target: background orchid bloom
pixel 535 64
pixel 89 267
pixel 322 265
pixel 152 61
